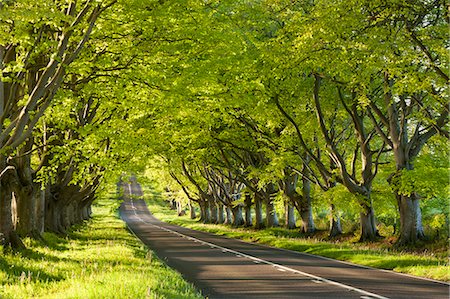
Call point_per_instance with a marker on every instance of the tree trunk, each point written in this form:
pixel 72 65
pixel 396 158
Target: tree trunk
pixel 229 215
pixel 259 221
pixel 202 207
pixel 335 221
pixel 308 226
pixel 248 210
pixel 214 213
pixel 369 230
pixel 271 214
pixel 305 204
pixel 25 209
pixel 207 212
pixel 53 212
pixel 8 235
pixel 238 220
pixel 192 214
pixel 40 212
pixel 221 217
pixel 65 217
pixel 178 207
pixel 411 229
pixel 289 216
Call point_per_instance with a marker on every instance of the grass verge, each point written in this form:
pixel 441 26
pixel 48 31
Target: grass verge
pixel 100 259
pixel 430 262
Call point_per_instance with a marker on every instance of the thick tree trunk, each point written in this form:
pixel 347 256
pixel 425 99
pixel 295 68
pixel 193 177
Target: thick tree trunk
pixel 411 229
pixel 248 216
pixel 40 212
pixel 238 220
pixel 221 216
pixel 259 221
pixel 202 207
pixel 8 235
pixel 25 211
pixel 369 230
pixel 53 212
pixel 271 214
pixel 214 212
pixel 6 223
pixel 65 217
pixel 335 223
pixel 289 216
pixel 229 216
pixel 192 214
pixel 207 212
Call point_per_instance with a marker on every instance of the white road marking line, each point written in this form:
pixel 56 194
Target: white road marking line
pixel 315 277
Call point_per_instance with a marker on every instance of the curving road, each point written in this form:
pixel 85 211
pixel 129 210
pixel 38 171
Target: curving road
pixel 227 268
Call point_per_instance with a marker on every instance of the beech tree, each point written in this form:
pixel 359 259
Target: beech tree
pixel 38 43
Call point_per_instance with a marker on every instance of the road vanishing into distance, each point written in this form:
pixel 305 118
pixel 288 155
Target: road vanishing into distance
pixel 226 268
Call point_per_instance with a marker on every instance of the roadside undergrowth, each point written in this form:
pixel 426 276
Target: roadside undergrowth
pixel 99 259
pixel 430 262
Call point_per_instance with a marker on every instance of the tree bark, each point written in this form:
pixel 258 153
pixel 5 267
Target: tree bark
pixel 238 220
pixel 411 229
pixel 248 214
pixel 192 214
pixel 305 207
pixel 271 214
pixel 214 212
pixel 229 215
pixel 335 223
pixel 6 223
pixel 369 230
pixel 202 207
pixel 259 221
pixel 40 212
pixel 207 212
pixel 289 216
pixel 221 218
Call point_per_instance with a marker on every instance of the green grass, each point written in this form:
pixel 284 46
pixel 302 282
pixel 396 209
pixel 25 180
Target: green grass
pixel 430 261
pixel 100 259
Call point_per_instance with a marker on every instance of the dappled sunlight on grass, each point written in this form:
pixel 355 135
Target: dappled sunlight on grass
pixel 100 259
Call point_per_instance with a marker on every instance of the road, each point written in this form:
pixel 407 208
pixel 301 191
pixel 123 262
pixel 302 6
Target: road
pixel 227 268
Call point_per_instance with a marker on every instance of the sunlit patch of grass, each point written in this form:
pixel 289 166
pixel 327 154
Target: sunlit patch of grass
pixel 100 259
pixel 431 262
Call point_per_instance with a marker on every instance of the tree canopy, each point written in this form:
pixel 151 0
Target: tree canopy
pixel 330 108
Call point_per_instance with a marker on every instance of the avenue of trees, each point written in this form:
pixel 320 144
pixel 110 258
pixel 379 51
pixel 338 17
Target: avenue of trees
pixel 246 111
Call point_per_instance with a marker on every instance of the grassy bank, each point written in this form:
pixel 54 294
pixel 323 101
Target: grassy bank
pixel 430 261
pixel 98 260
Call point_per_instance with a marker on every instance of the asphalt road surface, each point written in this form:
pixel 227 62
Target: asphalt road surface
pixel 227 268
